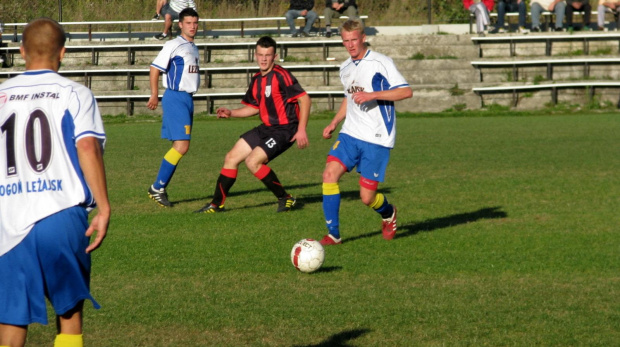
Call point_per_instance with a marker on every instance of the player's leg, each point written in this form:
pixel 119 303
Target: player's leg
pixel 69 327
pixel 267 144
pixel 177 121
pixel 227 177
pixel 256 163
pixel 372 166
pixel 13 335
pixel 334 169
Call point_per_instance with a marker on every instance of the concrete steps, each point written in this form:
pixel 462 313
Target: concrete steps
pixel 438 67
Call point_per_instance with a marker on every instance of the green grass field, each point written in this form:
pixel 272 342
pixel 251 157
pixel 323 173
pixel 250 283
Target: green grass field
pixel 508 235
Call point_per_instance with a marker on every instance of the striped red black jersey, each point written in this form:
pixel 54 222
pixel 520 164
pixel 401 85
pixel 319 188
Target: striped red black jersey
pixel 275 95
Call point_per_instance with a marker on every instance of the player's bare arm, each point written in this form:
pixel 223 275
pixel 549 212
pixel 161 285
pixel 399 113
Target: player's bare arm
pixel 246 111
pixel 154 83
pixel 90 156
pixel 304 113
pixel 396 94
pixel 339 117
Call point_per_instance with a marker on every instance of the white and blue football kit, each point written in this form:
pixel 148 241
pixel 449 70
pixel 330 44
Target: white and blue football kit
pixel 43 194
pixel 373 122
pixel 179 61
pixel 366 137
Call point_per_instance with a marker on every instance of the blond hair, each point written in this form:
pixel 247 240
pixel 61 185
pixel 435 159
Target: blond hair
pixel 354 24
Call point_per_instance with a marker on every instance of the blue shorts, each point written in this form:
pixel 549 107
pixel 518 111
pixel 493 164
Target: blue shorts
pixel 50 262
pixel 371 160
pixel 178 115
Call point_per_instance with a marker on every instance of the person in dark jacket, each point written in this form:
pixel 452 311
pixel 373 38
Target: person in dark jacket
pixel 337 8
pixel 301 8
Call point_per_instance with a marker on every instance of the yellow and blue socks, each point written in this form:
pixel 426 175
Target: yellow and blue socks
pixel 66 340
pixel 382 207
pixel 331 208
pixel 167 168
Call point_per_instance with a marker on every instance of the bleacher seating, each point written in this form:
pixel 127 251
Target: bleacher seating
pixel 141 29
pixel 207 48
pixel 205 101
pixel 515 65
pixel 589 86
pixel 548 40
pixel 546 17
pixel 208 72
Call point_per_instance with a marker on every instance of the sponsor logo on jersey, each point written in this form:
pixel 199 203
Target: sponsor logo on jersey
pixel 355 89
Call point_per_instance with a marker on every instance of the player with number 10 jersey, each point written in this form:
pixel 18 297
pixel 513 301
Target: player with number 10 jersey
pixel 45 114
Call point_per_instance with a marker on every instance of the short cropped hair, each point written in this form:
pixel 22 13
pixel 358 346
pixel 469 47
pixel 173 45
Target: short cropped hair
pixel 43 37
pixel 354 24
pixel 188 12
pixel 266 42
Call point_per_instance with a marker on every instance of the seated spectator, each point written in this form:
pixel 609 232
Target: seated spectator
pixel 171 11
pixel 603 5
pixel 158 6
pixel 580 6
pixel 504 6
pixel 480 9
pixel 337 8
pixel 301 8
pixel 556 6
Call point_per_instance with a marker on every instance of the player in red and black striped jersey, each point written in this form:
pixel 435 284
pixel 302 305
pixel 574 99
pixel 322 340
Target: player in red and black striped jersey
pixel 283 106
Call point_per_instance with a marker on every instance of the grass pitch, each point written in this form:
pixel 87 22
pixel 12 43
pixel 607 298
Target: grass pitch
pixel 508 235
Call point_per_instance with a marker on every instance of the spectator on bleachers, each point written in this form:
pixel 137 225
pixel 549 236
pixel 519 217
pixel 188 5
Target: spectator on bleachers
pixel 337 8
pixel 504 6
pixel 603 5
pixel 537 7
pixel 171 11
pixel 158 6
pixel 301 8
pixel 480 9
pixel 579 6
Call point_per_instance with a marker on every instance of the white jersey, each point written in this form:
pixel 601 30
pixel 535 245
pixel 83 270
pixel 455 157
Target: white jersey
pixel 42 116
pixel 179 60
pixel 374 121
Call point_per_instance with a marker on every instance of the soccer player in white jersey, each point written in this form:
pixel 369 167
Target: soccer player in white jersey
pixel 178 60
pixel 51 175
pixel 371 85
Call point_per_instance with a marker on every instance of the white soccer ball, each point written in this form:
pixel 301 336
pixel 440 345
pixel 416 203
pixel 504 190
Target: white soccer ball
pixel 307 255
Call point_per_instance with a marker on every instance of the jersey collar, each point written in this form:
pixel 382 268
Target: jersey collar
pixel 38 72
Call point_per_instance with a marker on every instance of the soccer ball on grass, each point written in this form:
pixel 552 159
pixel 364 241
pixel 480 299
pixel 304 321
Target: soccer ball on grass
pixel 307 255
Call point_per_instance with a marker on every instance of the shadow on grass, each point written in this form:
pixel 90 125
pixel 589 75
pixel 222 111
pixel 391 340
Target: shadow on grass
pixel 441 222
pixel 328 269
pixel 208 198
pixel 301 201
pixel 341 339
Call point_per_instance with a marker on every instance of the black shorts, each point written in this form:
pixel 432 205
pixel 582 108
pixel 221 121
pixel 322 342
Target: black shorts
pixel 274 140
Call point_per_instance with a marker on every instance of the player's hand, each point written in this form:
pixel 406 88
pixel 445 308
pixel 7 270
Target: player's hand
pixel 152 103
pixel 327 132
pixel 304 13
pixel 223 112
pixel 362 97
pixel 100 224
pixel 302 139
